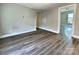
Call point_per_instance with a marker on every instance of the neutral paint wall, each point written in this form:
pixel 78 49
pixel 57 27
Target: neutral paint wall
pixel 15 19
pixel 37 20
pixel 39 16
pixel 0 22
pixel 49 20
pixel 76 22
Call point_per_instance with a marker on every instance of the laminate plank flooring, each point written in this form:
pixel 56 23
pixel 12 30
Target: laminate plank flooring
pixel 39 42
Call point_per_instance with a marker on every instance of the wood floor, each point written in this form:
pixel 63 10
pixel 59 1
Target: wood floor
pixel 38 43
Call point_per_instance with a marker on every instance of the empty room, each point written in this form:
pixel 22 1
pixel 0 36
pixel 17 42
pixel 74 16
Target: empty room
pixel 39 29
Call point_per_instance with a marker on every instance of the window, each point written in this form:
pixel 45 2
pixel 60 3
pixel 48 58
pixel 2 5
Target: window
pixel 70 18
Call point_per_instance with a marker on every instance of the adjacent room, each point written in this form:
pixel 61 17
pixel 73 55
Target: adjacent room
pixel 66 21
pixel 39 29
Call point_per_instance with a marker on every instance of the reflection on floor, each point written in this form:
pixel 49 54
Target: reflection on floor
pixel 67 31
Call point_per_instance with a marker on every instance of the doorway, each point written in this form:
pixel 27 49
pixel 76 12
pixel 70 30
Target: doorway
pixel 66 22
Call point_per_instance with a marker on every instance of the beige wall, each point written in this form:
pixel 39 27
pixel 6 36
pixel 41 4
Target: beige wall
pixel 49 20
pixel 76 22
pixel 37 21
pixel 15 18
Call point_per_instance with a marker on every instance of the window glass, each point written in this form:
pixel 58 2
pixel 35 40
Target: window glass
pixel 70 18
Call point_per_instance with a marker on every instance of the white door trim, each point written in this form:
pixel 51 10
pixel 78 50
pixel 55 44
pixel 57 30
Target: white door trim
pixel 59 20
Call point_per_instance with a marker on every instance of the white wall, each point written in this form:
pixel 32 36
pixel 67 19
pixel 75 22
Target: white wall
pixel 16 19
pixel 49 20
pixel 76 23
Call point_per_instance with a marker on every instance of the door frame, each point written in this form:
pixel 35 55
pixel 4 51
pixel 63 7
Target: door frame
pixel 59 16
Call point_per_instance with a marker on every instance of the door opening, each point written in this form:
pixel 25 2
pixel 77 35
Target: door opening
pixel 66 23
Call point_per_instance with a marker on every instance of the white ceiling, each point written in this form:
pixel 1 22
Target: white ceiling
pixel 41 6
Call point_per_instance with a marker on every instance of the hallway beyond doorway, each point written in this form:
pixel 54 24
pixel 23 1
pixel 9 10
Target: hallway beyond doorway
pixel 66 23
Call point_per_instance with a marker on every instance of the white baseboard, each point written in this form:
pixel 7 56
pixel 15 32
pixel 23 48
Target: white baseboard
pixel 49 29
pixel 12 34
pixel 75 36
